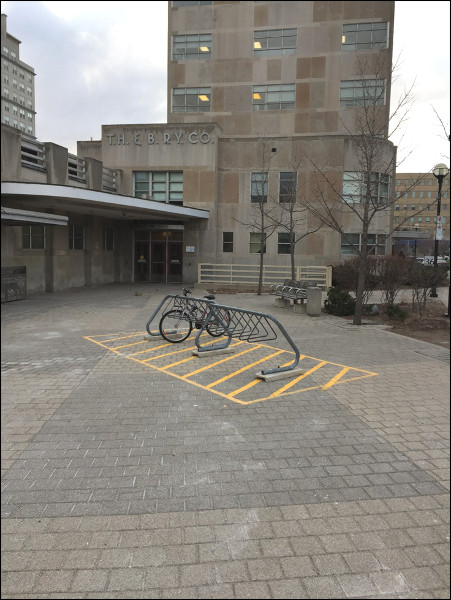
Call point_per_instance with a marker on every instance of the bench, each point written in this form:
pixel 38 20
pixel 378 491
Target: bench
pixel 292 292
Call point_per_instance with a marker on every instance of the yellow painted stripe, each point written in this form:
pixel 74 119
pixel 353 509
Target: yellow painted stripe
pixel 335 379
pixel 128 345
pixel 246 368
pixel 123 337
pixel 256 381
pixel 296 379
pixel 219 362
pixel 178 362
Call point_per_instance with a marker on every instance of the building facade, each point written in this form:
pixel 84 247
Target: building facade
pixel 18 92
pixel 262 98
pixel 415 214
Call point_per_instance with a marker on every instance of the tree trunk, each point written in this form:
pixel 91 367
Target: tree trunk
pixel 359 294
pixel 260 274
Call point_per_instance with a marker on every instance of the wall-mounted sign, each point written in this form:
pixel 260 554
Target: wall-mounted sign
pixel 163 137
pixel 189 249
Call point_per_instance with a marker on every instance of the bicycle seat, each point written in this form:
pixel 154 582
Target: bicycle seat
pixel 210 297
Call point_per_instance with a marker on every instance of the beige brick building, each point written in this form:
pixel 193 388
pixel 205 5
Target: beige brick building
pixel 415 213
pixel 261 95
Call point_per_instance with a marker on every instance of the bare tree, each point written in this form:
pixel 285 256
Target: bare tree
pixel 261 220
pixel 292 216
pixel 365 191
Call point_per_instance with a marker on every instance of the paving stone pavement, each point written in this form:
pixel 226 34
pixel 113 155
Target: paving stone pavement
pixel 126 476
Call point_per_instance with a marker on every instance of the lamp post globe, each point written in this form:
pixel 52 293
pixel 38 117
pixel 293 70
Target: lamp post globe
pixel 440 171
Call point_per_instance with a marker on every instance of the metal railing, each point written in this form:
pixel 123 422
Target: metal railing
pixel 244 325
pixel 236 274
pixel 32 154
pixel 76 168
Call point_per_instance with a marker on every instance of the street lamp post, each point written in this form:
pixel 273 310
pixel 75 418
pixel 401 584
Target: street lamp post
pixel 440 172
pixel 416 226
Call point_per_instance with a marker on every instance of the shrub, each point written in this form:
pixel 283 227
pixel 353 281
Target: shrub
pixel 339 302
pixel 394 311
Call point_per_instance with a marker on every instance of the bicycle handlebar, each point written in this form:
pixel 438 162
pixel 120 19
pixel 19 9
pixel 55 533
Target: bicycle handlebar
pixel 186 291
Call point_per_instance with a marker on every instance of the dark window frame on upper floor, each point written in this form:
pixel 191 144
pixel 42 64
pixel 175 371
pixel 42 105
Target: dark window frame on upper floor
pixel 364 36
pixel 274 96
pixel 274 42
pixel 191 99
pixel 191 46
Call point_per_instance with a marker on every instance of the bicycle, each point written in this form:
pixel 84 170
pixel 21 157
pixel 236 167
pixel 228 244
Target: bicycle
pixel 177 324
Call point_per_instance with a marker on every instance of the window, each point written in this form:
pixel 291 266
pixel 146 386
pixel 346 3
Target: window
pixel 366 92
pixel 191 100
pixel 6 92
pixel 168 187
pixel 376 243
pixel 6 119
pixel 76 237
pixel 284 243
pixel 287 187
pixel 185 47
pixel 354 188
pixel 361 36
pixel 413 207
pixel 161 186
pixel 108 239
pixel 255 243
pixel 259 187
pixel 274 42
pixel 33 237
pixel 273 97
pixel 227 241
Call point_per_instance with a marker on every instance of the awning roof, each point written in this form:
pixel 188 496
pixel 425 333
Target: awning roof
pixel 62 198
pixel 15 216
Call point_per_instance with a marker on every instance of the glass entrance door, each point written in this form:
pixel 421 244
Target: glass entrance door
pixel 141 261
pixel 166 256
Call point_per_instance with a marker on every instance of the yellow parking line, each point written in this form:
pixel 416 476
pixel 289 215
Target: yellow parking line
pixel 123 337
pixel 178 362
pixel 166 354
pixel 256 381
pixel 246 368
pixel 127 345
pixel 219 362
pixel 294 381
pixel 335 379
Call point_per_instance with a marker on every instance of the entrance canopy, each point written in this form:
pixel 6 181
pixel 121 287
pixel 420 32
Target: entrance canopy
pixel 61 199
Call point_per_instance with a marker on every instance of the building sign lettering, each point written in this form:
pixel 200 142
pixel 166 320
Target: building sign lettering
pixel 166 138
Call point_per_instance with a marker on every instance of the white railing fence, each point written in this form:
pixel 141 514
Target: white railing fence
pixel 230 274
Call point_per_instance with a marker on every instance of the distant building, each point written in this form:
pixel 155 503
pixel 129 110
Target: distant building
pixel 18 95
pixel 415 212
pixel 183 196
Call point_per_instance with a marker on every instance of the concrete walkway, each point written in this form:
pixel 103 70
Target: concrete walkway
pixel 133 469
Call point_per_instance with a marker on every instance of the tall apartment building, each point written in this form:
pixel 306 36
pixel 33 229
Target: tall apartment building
pixel 415 213
pixel 18 93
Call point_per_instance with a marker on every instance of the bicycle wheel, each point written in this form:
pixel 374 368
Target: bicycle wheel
pixel 174 326
pixel 218 325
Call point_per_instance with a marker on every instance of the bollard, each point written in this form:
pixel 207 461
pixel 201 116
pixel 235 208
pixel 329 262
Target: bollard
pixel 314 296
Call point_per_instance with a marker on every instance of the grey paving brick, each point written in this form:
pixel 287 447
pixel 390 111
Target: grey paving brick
pixel 121 481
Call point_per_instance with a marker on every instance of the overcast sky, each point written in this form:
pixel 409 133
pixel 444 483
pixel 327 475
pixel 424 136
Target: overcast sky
pixel 105 63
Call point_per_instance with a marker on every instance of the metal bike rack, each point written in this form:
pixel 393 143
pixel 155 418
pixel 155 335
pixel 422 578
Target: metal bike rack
pixel 175 301
pixel 244 325
pixel 247 326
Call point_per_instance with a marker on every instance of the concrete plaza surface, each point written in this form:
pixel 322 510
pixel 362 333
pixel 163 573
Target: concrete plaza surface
pixel 133 469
